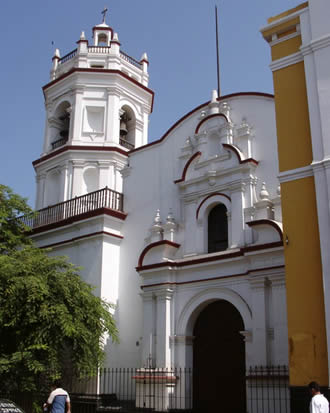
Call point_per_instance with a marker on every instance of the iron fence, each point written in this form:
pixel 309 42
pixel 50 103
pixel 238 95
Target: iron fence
pixel 268 389
pixel 128 390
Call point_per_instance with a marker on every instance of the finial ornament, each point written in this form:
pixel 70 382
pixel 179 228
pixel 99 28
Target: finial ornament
pixel 264 195
pixel 104 12
pixel 157 219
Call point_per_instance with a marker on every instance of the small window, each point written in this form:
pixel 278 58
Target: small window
pixel 218 229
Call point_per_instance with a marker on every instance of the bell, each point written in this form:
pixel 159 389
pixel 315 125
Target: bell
pixel 123 127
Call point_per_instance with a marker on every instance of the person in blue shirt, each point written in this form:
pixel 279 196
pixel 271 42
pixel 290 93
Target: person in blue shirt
pixel 58 400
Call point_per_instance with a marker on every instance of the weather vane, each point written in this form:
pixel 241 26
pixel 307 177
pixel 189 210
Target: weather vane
pixel 104 12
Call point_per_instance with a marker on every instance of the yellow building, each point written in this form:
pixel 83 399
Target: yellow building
pixel 300 50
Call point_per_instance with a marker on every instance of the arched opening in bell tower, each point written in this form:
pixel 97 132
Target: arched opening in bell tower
pixel 219 359
pixel 61 125
pixel 102 39
pixel 127 127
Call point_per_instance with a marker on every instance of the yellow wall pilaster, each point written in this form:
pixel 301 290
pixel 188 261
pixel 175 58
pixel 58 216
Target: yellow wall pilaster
pixel 308 358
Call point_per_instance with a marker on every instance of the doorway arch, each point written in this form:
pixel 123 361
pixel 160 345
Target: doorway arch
pixel 219 359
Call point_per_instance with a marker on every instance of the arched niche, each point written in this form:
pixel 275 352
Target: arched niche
pixel 53 185
pixel 90 180
pixel 127 127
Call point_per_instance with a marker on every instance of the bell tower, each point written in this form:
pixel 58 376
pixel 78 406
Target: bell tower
pixel 97 107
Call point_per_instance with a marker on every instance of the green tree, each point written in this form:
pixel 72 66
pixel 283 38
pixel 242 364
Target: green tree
pixel 48 314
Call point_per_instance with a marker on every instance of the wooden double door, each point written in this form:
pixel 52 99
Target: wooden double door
pixel 219 360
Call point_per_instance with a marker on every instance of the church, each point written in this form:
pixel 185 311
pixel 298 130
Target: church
pixel 184 235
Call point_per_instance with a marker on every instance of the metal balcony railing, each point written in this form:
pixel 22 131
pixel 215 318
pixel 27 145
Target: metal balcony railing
pixel 126 144
pixel 103 198
pixel 58 143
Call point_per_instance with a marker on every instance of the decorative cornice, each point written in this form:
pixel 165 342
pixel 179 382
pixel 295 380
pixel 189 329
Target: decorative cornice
pixel 284 19
pixel 79 148
pixel 286 61
pixel 316 44
pixel 320 165
pixel 102 71
pixel 236 151
pixel 153 245
pixel 216 257
pixel 82 237
pixel 294 174
pixel 221 277
pixel 270 222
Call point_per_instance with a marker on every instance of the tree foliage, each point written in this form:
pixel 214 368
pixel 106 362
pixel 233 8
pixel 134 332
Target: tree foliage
pixel 49 316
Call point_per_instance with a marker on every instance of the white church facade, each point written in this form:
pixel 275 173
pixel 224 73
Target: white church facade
pixel 184 234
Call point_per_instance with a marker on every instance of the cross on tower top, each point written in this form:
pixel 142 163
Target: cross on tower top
pixel 104 12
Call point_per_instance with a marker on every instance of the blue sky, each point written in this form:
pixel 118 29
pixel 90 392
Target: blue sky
pixel 178 36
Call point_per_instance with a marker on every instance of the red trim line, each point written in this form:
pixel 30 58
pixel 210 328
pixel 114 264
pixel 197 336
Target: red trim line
pixel 236 152
pixel 79 148
pixel 214 278
pixel 231 95
pixel 274 224
pixel 99 70
pixel 86 215
pixel 209 117
pixel 155 244
pixel 68 241
pixel 107 29
pixel 183 176
pixel 210 196
pixel 240 253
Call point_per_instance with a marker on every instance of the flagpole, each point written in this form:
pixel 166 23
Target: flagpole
pixel 217 47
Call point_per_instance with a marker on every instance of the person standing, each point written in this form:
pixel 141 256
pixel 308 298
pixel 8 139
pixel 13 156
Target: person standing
pixel 318 404
pixel 58 400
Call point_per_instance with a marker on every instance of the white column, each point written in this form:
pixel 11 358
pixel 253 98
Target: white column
pixel 163 351
pixel 259 321
pixel 77 115
pixel 279 311
pixel 322 179
pixel 112 116
pixel 146 111
pixel 190 230
pixel 149 322
pixel 237 215
pixel 40 180
pixel 138 133
pixel 63 181
pixel 104 167
pixel 46 146
pixel 77 177
pixel 66 180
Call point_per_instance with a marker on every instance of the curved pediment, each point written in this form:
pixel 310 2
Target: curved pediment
pixel 215 121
